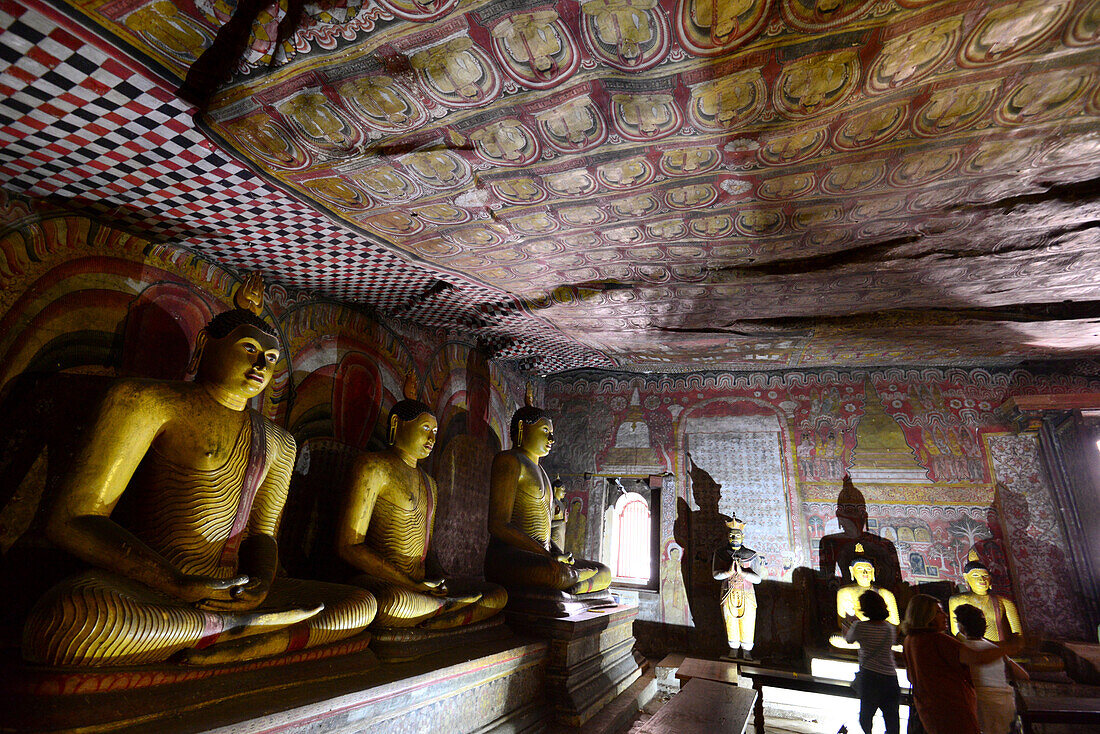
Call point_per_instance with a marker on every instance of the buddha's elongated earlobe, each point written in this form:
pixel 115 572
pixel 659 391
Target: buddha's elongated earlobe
pixel 519 433
pixel 200 343
pixel 392 437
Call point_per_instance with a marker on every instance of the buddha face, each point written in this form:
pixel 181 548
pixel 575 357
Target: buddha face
pixel 980 581
pixel 537 438
pixel 416 437
pixel 241 363
pixel 863 574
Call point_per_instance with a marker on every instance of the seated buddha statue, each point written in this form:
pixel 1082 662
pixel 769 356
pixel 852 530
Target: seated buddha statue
pixel 1001 618
pixel 862 569
pixel 521 554
pixel 386 530
pixel 559 515
pixel 190 573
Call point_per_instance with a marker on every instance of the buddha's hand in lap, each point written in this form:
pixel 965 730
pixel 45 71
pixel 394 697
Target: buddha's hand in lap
pixel 566 558
pixel 435 587
pixel 243 597
pixel 201 590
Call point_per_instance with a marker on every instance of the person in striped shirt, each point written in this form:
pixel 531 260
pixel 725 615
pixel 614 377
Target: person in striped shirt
pixel 877 680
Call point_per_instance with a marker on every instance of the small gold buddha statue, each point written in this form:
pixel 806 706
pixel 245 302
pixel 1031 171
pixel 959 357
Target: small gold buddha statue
pixel 521 554
pixel 386 530
pixel 1001 618
pixel 559 515
pixel 192 573
pixel 862 569
pixel 738 568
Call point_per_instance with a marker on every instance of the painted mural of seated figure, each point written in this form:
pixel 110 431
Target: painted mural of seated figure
pixel 1001 617
pixel 847 597
pixel 521 554
pixel 386 531
pixel 192 573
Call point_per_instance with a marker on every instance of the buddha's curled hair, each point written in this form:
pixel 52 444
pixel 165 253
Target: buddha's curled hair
pixel 407 409
pixel 221 325
pixel 527 415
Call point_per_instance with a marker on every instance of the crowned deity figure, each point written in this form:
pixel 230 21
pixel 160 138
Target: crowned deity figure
pixel 1002 621
pixel 521 554
pixel 186 569
pixel 386 531
pixel 862 569
pixel 738 568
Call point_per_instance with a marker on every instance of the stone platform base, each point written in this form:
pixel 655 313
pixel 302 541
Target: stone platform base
pixel 486 687
pixel 395 645
pixel 591 658
pixel 553 603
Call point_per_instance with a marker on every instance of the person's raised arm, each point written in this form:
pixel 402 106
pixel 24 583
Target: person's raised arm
pixel 502 498
pixel 984 657
pixel 368 477
pixel 131 416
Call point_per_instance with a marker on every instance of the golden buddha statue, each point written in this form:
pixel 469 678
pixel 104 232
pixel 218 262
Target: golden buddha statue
pixel 862 569
pixel 559 515
pixel 738 568
pixel 386 532
pixel 521 554
pixel 1001 618
pixel 190 571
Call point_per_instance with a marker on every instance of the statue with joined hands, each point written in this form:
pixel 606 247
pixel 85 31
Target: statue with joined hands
pixel 190 570
pixel 386 530
pixel 521 554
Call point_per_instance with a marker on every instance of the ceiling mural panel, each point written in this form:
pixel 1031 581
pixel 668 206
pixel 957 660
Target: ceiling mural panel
pixel 682 183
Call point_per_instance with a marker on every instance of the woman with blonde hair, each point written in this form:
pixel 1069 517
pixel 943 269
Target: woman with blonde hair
pixel 937 665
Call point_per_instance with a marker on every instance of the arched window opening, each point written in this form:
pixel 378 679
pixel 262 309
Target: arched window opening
pixel 630 540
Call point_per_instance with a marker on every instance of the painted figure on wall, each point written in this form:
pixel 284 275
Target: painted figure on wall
pixel 186 569
pixel 386 531
pixel 838 549
pixel 1001 617
pixel 521 554
pixel 738 568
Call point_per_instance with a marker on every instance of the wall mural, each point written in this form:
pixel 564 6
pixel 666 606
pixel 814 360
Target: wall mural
pixel 81 303
pixel 926 448
pixel 627 169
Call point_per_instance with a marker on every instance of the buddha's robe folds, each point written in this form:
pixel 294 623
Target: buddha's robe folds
pixel 400 532
pixel 531 514
pixel 196 520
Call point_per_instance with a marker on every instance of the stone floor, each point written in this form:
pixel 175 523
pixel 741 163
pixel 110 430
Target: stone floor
pixel 785 712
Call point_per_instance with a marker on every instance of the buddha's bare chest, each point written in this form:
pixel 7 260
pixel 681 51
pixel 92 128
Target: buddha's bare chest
pixel 533 491
pixel 407 499
pixel 202 445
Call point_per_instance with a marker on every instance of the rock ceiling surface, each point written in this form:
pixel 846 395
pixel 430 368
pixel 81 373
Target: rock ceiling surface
pixel 649 184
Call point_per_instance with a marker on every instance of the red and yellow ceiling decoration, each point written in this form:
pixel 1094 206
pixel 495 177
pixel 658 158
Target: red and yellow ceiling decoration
pixel 741 183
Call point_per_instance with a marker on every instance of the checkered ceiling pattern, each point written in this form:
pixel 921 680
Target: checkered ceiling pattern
pixel 86 128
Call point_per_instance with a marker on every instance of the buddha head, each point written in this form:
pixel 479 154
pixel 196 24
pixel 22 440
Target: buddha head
pixel 736 530
pixel 862 568
pixel 531 429
pixel 978 577
pixel 412 427
pixel 236 352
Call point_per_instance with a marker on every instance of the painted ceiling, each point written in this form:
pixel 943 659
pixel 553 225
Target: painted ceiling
pixel 655 185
